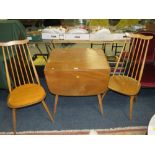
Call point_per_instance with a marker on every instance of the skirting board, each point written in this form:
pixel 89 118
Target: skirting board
pixel 138 130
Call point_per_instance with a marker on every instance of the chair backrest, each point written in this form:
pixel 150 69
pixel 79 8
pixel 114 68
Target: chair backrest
pixel 131 63
pixel 18 64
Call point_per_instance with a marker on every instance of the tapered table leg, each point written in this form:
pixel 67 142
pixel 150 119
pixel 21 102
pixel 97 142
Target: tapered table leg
pixel 55 103
pixel 100 103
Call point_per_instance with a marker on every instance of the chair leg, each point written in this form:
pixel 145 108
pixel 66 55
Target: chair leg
pixel 47 110
pixel 55 103
pixel 14 120
pixel 104 93
pixel 135 98
pixel 131 105
pixel 100 103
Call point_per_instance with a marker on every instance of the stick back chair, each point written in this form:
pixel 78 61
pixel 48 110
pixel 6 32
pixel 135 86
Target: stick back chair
pixel 23 81
pixel 127 80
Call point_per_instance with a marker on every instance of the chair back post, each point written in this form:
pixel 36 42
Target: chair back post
pixel 6 69
pixel 127 55
pixel 35 71
pixel 143 64
pixel 134 59
pixel 120 57
pixel 18 62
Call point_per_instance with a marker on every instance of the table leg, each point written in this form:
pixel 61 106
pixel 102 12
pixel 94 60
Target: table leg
pixel 55 103
pixel 100 103
pixel 104 93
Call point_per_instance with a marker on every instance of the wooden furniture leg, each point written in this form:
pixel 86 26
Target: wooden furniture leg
pixel 47 110
pixel 104 93
pixel 100 103
pixel 14 120
pixel 55 103
pixel 135 98
pixel 131 105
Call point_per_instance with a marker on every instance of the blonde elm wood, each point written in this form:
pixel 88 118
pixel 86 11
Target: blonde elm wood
pixel 81 83
pixel 47 110
pixel 23 81
pixel 77 72
pixel 26 95
pixel 100 103
pixel 127 81
pixel 103 94
pixel 14 120
pixel 131 106
pixel 55 103
pixel 124 84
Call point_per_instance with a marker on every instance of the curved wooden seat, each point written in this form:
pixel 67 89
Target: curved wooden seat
pixel 124 85
pixel 26 95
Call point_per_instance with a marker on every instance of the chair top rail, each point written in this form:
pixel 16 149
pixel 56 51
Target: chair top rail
pixel 139 36
pixel 15 42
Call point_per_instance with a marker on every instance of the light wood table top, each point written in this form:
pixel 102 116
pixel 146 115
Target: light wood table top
pixel 77 72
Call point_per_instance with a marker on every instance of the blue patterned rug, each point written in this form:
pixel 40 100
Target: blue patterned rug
pixel 80 113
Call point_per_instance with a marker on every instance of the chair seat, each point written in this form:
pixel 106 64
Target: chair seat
pixel 26 95
pixel 124 85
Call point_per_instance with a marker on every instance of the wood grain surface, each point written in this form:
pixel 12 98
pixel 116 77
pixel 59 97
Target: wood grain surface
pixel 77 72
